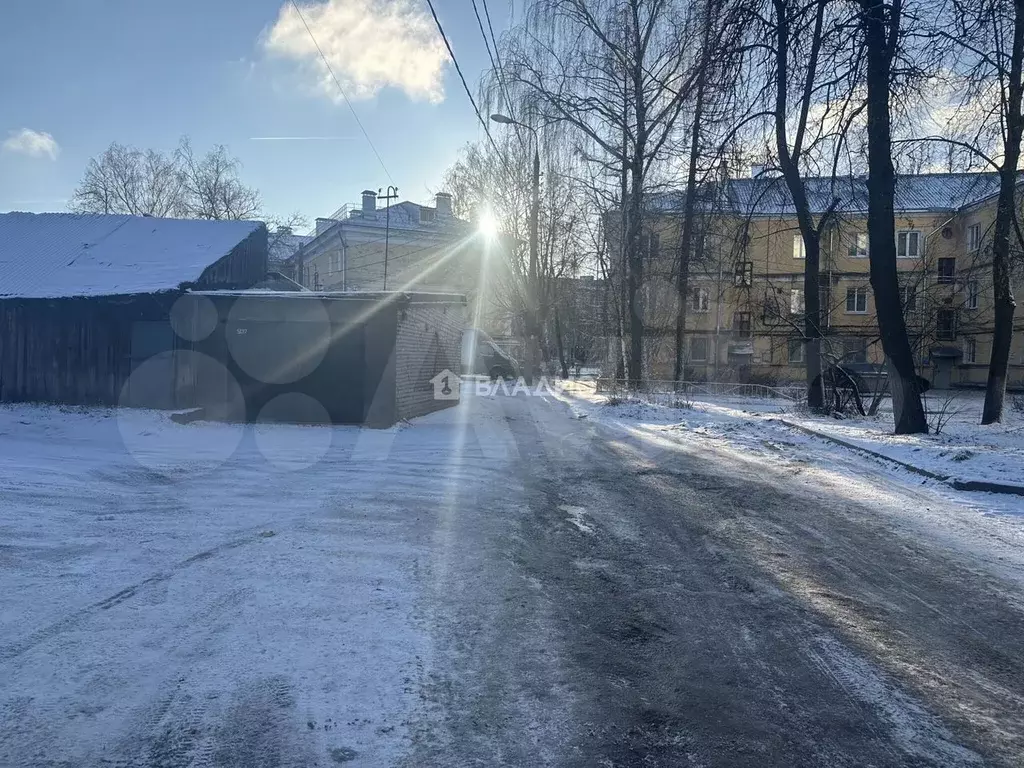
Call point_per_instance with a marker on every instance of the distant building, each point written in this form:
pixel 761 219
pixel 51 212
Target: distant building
pixel 85 300
pixel 418 248
pixel 744 309
pixel 423 247
pixel 282 245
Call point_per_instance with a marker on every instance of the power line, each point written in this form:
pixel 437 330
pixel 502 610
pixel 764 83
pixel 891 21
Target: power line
pixel 500 68
pixel 342 90
pixel 465 86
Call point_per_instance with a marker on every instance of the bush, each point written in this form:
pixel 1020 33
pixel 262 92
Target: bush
pixel 764 379
pixel 1017 403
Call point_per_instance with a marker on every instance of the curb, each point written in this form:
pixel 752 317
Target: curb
pixel 958 485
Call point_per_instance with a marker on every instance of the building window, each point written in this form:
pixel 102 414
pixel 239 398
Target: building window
pixel 741 324
pixel 971 289
pixel 796 351
pixel 699 349
pixel 426 214
pixel 744 273
pixel 855 350
pixel 970 350
pixel 700 300
pixel 908 244
pixel 799 250
pixel 796 301
pixel 856 300
pixel 947 270
pixel 653 245
pixel 908 298
pixel 859 247
pixel 945 326
pixel 974 237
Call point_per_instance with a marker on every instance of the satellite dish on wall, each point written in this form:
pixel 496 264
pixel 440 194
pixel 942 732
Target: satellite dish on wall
pixel 947 233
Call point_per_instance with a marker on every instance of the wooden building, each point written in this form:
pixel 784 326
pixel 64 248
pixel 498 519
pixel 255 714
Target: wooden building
pixel 86 300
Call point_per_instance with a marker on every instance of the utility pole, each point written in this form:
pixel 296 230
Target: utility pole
pixel 391 195
pixel 533 331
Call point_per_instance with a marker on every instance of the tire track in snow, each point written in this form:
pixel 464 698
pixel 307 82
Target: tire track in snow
pixel 14 650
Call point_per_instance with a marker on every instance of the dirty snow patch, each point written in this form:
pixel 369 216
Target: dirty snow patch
pixel 577 516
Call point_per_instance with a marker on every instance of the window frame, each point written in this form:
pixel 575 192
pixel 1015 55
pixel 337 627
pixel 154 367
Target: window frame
pixel 738 320
pixel 700 300
pixel 949 335
pixel 908 298
pixel 970 343
pixel 707 349
pixel 799 247
pixel 943 279
pixel 857 292
pixel 856 250
pixel 860 354
pixel 796 342
pixel 972 289
pixel 906 233
pixel 797 306
pixel 744 274
pixel 973 237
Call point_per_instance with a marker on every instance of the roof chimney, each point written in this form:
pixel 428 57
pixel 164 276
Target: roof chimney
pixel 369 201
pixel 443 203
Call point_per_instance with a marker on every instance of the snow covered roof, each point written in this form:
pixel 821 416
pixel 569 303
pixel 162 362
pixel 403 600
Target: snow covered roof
pixel 51 255
pixel 769 196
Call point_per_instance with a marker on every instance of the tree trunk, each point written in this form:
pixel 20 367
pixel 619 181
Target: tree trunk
pixel 560 346
pixel 1005 306
pixel 689 205
pixel 635 268
pixel 881 26
pixel 789 163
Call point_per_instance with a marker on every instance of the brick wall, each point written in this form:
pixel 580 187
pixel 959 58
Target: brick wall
pixel 429 341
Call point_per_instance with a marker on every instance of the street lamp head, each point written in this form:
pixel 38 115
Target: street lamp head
pixel 502 119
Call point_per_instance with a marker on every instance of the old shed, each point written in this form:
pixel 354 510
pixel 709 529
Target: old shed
pixel 85 300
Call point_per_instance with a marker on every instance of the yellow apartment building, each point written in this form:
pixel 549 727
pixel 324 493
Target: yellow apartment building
pixel 744 312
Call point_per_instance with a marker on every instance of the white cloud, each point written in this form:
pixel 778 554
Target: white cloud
pixel 370 46
pixel 32 143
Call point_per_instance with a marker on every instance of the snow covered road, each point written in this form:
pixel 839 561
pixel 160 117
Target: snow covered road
pixel 497 584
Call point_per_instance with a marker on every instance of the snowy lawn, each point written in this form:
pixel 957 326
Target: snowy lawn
pixel 962 449
pixel 753 428
pixel 177 592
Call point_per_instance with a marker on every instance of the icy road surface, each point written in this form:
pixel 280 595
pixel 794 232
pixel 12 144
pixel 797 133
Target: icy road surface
pixel 498 584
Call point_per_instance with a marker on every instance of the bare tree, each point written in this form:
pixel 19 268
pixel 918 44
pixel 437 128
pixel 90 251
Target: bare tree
pixel 614 75
pixel 718 59
pixel 212 189
pixel 131 181
pixel 809 69
pixel 881 26
pixel 148 182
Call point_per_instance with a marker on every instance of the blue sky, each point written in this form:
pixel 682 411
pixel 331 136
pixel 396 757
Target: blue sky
pixel 142 72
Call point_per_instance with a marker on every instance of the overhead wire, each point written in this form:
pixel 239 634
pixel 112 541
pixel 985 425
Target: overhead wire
pixel 465 87
pixel 342 90
pixel 496 66
pixel 499 68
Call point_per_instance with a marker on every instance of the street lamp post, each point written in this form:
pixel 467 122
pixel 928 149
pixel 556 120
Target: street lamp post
pixel 532 329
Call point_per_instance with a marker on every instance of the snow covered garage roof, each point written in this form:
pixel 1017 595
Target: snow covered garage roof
pixel 53 255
